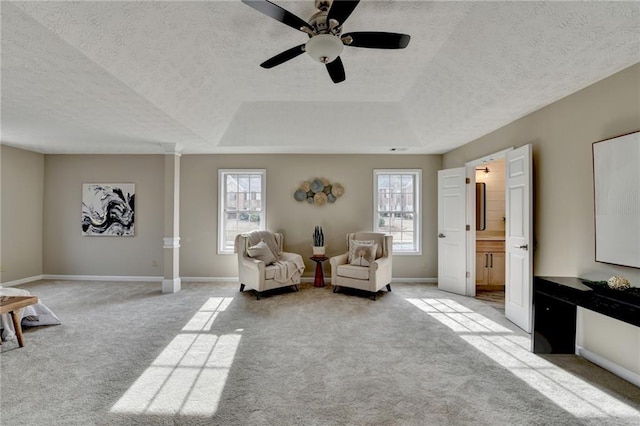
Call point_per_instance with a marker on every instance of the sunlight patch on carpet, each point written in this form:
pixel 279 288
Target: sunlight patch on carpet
pixel 188 377
pixel 511 351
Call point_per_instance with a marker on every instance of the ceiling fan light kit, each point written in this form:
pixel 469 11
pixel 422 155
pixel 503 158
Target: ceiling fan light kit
pixel 324 48
pixel 324 30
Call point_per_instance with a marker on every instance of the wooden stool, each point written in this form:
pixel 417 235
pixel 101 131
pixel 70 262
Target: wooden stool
pixel 13 305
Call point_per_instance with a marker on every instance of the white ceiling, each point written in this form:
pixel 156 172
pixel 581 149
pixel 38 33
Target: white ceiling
pixel 142 77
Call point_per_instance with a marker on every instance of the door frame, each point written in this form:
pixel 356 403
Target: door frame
pixel 471 213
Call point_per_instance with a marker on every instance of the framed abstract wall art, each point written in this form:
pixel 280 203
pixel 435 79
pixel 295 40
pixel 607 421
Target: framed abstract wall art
pixel 108 209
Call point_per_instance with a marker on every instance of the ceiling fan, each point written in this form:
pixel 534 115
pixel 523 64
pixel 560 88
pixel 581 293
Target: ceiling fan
pixel 324 29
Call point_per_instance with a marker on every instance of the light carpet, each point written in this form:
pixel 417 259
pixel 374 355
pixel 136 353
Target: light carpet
pixel 209 355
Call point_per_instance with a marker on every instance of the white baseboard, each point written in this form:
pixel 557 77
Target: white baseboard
pixel 184 279
pixel 101 278
pixel 23 281
pixel 414 280
pixel 393 280
pixel 327 280
pixel 616 369
pixel 235 280
pixel 209 279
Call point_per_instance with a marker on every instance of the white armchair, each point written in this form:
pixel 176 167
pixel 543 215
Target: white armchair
pixel 262 265
pixel 361 268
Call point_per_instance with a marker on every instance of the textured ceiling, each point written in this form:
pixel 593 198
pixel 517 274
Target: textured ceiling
pixel 136 77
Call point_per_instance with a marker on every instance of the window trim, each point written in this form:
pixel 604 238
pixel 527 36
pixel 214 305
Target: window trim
pixel 222 191
pixel 417 175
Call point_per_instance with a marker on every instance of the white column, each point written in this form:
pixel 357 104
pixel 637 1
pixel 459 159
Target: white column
pixel 1 267
pixel 171 242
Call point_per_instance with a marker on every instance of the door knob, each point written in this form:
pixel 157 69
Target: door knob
pixel 523 247
pixel 441 235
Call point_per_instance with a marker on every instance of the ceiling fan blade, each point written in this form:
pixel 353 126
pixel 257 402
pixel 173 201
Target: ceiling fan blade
pixel 277 13
pixel 341 10
pixel 377 40
pixel 336 70
pixel 283 57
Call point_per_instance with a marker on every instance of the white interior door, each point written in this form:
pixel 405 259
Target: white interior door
pixel 452 243
pixel 518 238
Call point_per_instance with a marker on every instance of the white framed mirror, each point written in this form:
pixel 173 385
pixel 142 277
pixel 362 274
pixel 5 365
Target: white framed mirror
pixel 481 209
pixel 616 181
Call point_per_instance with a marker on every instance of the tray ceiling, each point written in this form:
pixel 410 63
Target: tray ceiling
pixel 138 77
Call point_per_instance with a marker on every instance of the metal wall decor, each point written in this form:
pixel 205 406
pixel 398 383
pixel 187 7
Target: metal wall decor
pixel 318 191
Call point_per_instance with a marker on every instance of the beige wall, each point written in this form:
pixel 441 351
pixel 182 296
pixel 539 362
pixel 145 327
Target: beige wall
pixel 21 213
pixel 352 212
pixel 67 251
pixel 562 135
pixel 617 341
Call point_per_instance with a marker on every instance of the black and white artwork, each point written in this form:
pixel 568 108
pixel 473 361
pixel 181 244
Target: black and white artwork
pixel 108 209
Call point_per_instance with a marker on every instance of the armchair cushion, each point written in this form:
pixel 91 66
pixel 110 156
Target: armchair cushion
pixel 357 243
pixel 263 265
pixel 355 272
pixel 376 274
pixel 261 251
pixel 363 255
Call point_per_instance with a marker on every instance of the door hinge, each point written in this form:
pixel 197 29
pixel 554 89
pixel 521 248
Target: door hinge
pixel 468 180
pixel 468 274
pixel 468 227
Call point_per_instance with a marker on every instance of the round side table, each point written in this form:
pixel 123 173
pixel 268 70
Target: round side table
pixel 319 278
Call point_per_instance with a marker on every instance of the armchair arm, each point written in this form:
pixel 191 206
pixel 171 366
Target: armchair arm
pixel 340 259
pixel 381 270
pixel 383 262
pixel 252 263
pixel 251 272
pixel 336 261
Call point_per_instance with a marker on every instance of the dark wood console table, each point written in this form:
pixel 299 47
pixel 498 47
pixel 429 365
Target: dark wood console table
pixel 555 301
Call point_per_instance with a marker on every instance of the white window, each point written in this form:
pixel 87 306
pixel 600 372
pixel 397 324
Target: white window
pixel 397 208
pixel 241 196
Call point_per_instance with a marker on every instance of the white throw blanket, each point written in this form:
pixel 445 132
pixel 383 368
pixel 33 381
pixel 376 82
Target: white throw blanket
pixel 30 316
pixel 256 236
pixel 289 268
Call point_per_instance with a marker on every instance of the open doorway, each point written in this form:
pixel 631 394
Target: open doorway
pixel 457 255
pixel 490 232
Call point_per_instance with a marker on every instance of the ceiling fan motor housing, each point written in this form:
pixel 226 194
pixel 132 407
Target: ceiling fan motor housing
pixel 324 45
pixel 318 22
